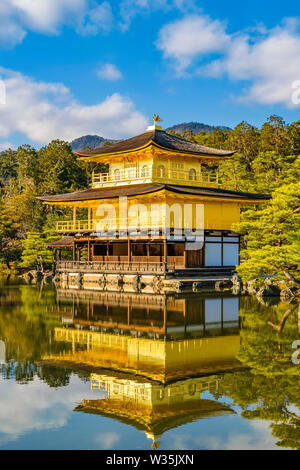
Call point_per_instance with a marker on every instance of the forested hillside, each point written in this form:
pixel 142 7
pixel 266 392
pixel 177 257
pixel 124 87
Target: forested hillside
pixel 267 161
pixel 195 128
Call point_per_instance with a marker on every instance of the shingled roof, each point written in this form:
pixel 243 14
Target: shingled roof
pixel 63 242
pixel 160 138
pixel 139 189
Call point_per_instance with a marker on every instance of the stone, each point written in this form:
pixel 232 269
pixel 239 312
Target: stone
pixel 269 291
pixel 225 283
pixel 237 289
pixel 251 286
pixel 28 277
pixel 289 292
pixel 49 279
pixel 39 276
pixel 236 279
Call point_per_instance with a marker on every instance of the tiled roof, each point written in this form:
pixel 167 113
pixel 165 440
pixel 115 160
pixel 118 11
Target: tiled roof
pixel 139 189
pixel 161 138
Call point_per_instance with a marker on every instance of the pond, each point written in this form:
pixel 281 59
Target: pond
pixel 112 370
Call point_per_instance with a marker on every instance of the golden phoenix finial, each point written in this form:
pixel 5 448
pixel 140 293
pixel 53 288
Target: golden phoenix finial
pixel 156 118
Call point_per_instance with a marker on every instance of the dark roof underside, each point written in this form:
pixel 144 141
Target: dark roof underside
pixel 168 141
pixel 140 189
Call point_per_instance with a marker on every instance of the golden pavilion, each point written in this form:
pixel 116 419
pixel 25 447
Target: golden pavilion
pixel 158 195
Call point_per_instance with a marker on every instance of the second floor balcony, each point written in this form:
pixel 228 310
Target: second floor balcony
pixel 160 174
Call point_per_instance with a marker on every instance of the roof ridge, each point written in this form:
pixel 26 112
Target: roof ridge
pixel 161 138
pixel 148 188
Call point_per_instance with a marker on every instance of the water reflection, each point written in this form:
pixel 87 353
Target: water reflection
pixel 151 407
pixel 155 362
pixel 160 337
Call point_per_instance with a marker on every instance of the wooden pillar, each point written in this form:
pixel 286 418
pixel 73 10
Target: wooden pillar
pixel 89 251
pixel 89 218
pixel 185 258
pixel 165 254
pixel 78 253
pixel 74 251
pixel 129 252
pixel 74 218
pixel 148 252
pixel 107 249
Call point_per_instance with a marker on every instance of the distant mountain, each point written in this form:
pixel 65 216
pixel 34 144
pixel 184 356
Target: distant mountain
pixel 95 141
pixel 195 127
pixel 92 141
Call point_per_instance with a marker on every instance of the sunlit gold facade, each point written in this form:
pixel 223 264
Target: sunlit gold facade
pixel 157 190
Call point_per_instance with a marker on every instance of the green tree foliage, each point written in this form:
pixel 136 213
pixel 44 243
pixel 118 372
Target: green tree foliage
pixel 272 244
pixel 8 165
pixel 25 174
pixel 59 169
pixel 35 253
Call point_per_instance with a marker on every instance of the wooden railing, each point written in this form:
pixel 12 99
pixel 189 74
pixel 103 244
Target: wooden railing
pixel 110 225
pixel 117 266
pixel 194 178
pixel 73 226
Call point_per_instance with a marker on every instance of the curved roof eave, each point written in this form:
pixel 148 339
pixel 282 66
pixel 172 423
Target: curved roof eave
pixel 160 139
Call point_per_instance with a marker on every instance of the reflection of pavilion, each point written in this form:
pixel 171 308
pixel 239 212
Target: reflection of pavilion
pixel 146 354
pixel 156 315
pixel 170 338
pixel 152 407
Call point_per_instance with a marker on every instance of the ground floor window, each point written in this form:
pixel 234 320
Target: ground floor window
pixel 221 251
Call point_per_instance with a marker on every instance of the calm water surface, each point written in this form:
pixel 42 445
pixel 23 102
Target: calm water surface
pixel 105 370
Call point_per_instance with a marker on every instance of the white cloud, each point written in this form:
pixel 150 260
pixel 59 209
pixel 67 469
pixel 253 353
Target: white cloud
pixel 17 17
pixel 44 111
pixel 5 146
pixel 268 61
pixel 109 72
pixel 271 64
pixel 254 435
pixel 257 437
pixel 107 440
pixel 129 9
pixel 191 37
pixel 35 406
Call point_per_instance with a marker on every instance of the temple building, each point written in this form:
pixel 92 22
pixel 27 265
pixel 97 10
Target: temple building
pixel 158 208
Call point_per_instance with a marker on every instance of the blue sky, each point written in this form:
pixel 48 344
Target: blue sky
pixel 73 67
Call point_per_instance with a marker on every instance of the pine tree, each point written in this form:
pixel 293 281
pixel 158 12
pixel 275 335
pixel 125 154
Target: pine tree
pixel 272 236
pixel 36 254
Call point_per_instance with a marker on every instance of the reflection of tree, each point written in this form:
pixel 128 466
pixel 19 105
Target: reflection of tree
pixel 279 327
pixel 263 347
pixel 270 390
pixel 54 376
pixel 27 320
